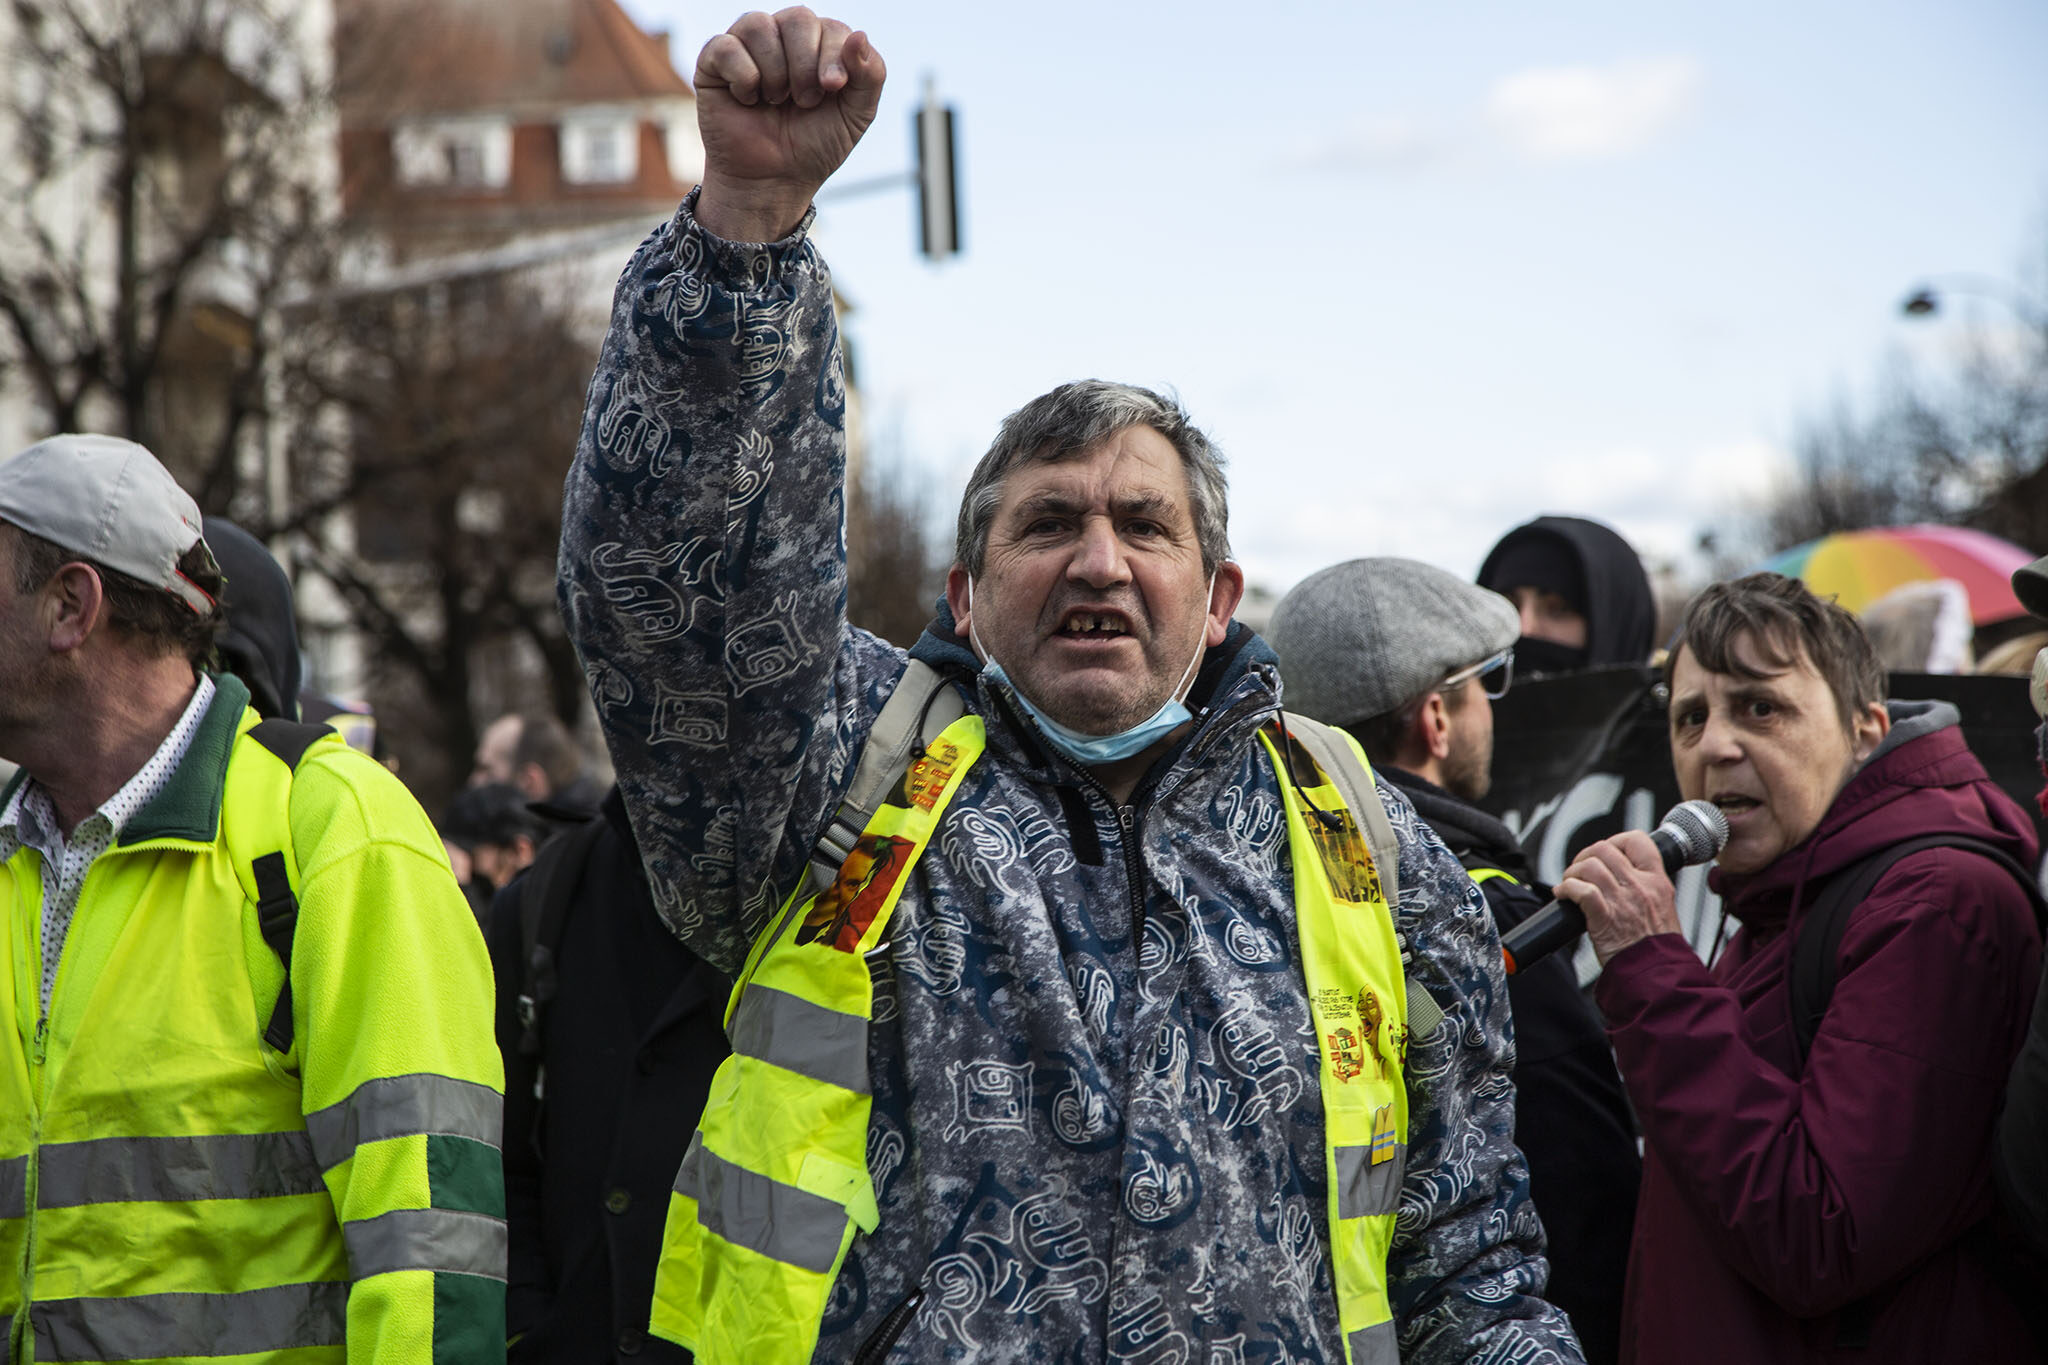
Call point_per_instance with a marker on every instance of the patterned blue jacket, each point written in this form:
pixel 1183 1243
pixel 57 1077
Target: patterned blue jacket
pixel 1097 1130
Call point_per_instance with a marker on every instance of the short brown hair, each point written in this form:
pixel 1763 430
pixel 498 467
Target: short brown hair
pixel 160 621
pixel 1784 619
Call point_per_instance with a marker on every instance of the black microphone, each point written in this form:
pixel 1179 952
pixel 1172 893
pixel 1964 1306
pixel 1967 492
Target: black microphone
pixel 1692 832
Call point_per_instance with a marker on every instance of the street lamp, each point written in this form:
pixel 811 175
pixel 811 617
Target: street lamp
pixel 1926 298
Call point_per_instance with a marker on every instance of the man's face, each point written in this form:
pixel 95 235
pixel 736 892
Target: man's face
pixel 1772 753
pixel 1468 768
pixel 25 665
pixel 1092 594
pixel 1548 616
pixel 494 751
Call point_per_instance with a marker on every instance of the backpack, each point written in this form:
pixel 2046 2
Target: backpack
pixel 1816 957
pixel 1816 962
pixel 267 877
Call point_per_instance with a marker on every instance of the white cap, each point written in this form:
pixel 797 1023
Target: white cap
pixel 110 501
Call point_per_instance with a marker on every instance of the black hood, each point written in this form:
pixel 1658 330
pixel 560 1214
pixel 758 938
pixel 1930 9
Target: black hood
pixel 260 641
pixel 1620 610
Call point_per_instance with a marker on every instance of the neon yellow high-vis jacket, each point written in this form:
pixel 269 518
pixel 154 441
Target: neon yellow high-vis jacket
pixel 172 1187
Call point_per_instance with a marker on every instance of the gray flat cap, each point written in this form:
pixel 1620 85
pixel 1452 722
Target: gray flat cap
pixel 1358 639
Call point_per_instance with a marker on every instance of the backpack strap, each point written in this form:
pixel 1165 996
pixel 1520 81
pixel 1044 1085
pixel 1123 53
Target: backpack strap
pixel 1816 963
pixel 277 905
pixel 920 708
pixel 1816 957
pixel 545 895
pixel 1339 756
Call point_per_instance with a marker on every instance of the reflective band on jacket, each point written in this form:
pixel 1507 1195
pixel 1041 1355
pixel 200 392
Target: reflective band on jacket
pixel 1374 1345
pixel 401 1106
pixel 775 1183
pixel 1365 1189
pixel 799 1036
pixel 14 1188
pixel 1483 875
pixel 125 1170
pixel 779 1221
pixel 426 1239
pixel 159 1326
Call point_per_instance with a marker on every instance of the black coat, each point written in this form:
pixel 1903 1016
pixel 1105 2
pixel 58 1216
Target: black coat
pixel 629 1044
pixel 1572 1117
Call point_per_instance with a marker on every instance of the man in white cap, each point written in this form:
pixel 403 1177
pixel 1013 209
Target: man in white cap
pixel 1409 658
pixel 251 1102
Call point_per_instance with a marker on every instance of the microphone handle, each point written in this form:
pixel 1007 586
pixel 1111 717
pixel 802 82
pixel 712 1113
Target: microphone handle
pixel 1543 933
pixel 1559 922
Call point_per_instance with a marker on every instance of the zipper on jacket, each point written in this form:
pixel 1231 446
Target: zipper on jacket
pixel 883 1339
pixel 1127 822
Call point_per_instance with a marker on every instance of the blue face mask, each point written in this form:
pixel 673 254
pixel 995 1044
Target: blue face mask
pixel 1094 750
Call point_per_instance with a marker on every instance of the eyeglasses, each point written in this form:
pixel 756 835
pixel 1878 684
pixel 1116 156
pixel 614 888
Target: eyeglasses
pixel 1494 674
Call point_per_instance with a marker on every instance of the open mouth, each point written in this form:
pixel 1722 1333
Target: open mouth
pixel 1736 805
pixel 1082 625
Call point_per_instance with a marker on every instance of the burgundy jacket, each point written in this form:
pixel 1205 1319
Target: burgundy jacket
pixel 1774 1197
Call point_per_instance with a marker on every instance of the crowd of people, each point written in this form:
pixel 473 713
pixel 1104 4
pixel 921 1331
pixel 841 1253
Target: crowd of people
pixel 1097 979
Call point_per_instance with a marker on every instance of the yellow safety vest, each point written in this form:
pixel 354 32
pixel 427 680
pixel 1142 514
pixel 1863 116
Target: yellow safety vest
pixel 775 1183
pixel 167 1189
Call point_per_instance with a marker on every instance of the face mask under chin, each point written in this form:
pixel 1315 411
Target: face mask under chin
pixel 1094 750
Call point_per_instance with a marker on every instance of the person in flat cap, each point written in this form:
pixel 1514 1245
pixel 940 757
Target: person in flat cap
pixel 1408 658
pixel 254 1102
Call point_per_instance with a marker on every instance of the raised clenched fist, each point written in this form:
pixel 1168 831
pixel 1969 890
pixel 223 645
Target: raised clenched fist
pixel 781 101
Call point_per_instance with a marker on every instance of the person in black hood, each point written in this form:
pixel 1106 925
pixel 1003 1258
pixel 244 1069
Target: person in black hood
pixel 1408 658
pixel 260 642
pixel 1584 599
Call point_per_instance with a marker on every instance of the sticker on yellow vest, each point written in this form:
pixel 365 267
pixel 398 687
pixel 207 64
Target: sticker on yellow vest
pixel 1383 1143
pixel 1339 843
pixel 928 776
pixel 843 911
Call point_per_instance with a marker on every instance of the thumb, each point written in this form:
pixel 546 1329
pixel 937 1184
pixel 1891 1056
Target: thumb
pixel 865 72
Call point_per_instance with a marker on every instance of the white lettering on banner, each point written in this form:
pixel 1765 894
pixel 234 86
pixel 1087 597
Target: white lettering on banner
pixel 1557 823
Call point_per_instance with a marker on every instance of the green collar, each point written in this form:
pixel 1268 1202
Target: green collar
pixel 189 805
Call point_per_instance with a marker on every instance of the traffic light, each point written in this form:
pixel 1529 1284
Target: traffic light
pixel 938 201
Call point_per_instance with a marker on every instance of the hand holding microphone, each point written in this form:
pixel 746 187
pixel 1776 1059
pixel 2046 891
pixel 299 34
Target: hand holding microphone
pixel 1619 878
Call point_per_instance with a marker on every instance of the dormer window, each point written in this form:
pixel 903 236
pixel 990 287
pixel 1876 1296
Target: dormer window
pixel 456 153
pixel 600 147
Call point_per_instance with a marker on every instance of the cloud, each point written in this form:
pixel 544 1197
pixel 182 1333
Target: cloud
pixel 1587 113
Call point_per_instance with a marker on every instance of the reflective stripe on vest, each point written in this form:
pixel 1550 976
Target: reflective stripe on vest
pixel 775 1183
pixel 403 1106
pixel 131 1169
pixel 160 1326
pixel 759 1225
pixel 1482 875
pixel 1358 998
pixel 14 1187
pixel 444 1240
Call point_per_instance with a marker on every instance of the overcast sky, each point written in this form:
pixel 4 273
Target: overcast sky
pixel 1427 271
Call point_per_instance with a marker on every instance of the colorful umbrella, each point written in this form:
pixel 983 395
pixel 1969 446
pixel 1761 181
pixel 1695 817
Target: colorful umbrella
pixel 1859 567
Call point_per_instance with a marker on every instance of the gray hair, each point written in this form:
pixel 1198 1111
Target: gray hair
pixel 1064 424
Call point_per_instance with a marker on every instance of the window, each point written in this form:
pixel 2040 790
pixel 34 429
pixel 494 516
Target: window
pixel 464 153
pixel 600 147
